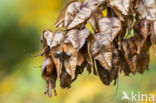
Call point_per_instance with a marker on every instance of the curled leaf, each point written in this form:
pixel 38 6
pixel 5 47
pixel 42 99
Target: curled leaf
pixel 147 9
pixel 130 52
pixel 65 79
pixel 56 54
pixel 103 73
pixel 144 57
pixel 110 26
pixel 49 75
pixel 102 50
pixel 77 37
pixel 71 12
pixel 120 7
pixel 142 31
pixel 57 39
pixel 68 13
pixel 102 46
pixel 83 15
pixel 65 55
pixel 46 38
pixel 71 62
pixel 100 41
pixel 116 64
pixel 94 19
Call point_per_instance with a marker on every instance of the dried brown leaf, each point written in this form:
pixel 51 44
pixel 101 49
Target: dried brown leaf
pixel 71 62
pixel 56 53
pixel 130 53
pixel 65 79
pixel 102 50
pixel 81 17
pixel 94 19
pixel 84 14
pixel 49 75
pixel 71 12
pixel 103 73
pixel 46 38
pixel 142 31
pixel 102 46
pixel 65 56
pixel 120 7
pixel 77 37
pixel 67 13
pixel 147 9
pixel 57 39
pixel 110 26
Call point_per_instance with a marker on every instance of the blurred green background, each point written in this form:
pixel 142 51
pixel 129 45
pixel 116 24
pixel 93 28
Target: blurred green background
pixel 21 23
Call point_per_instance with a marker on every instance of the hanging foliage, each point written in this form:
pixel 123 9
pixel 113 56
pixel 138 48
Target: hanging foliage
pixel 107 51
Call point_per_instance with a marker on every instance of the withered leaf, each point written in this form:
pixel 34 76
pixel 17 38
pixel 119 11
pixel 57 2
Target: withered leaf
pixel 71 62
pixel 144 57
pixel 110 26
pixel 83 15
pixel 94 19
pixel 46 38
pixel 73 38
pixel 102 46
pixel 79 70
pixel 77 37
pixel 147 9
pixel 120 7
pixel 56 53
pixel 57 39
pixel 48 67
pixel 130 52
pixel 141 32
pixel 49 75
pixel 102 50
pixel 65 79
pixel 103 73
pixel 65 62
pixel 71 12
pixel 116 64
pixel 105 58
pixel 100 41
pixel 68 13
pixel 65 56
pixel 93 4
pixel 51 39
